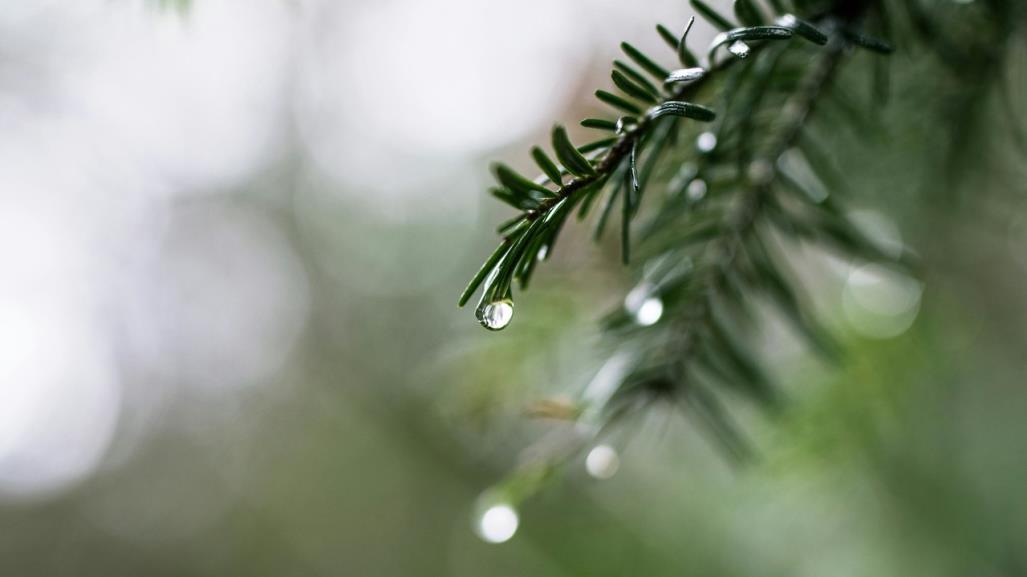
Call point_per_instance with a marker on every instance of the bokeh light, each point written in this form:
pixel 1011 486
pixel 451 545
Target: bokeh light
pixel 498 523
pixel 880 302
pixel 602 462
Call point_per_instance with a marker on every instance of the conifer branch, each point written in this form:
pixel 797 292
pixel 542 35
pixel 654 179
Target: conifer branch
pixel 619 151
pixel 707 251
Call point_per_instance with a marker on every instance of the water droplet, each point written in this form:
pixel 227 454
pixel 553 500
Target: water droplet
pixel 496 315
pixel 498 523
pixel 640 303
pixel 739 49
pixel 602 462
pixel 696 190
pixel 787 21
pixel 625 123
pixel 650 312
pixel 685 75
pixel 706 142
pixel 543 252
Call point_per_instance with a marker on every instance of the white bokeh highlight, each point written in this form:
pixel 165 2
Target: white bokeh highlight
pixel 59 398
pixel 113 293
pixel 448 76
pixel 880 302
pixel 498 523
pixel 229 298
pixel 602 462
pixel 650 312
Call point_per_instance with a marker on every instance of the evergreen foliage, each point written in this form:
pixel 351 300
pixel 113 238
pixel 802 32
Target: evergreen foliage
pixel 724 146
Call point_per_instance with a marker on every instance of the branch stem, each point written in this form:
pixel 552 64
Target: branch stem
pixel 620 151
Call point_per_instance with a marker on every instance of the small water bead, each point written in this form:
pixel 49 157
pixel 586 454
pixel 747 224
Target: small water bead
pixel 625 123
pixel 788 21
pixel 495 316
pixel 543 252
pixel 498 523
pixel 650 312
pixel 739 49
pixel 696 190
pixel 706 142
pixel 640 303
pixel 602 462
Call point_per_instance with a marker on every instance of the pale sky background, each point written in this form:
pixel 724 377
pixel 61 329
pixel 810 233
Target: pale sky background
pixel 117 297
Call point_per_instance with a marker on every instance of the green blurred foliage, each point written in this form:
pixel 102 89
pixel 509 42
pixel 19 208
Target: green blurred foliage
pixel 910 458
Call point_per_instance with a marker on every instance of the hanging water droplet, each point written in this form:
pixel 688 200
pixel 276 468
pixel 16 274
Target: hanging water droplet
pixel 496 315
pixel 640 303
pixel 498 523
pixel 602 462
pixel 543 252
pixel 696 190
pixel 650 312
pixel 739 49
pixel 706 142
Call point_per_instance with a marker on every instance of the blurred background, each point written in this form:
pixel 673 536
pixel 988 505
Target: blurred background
pixel 233 233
